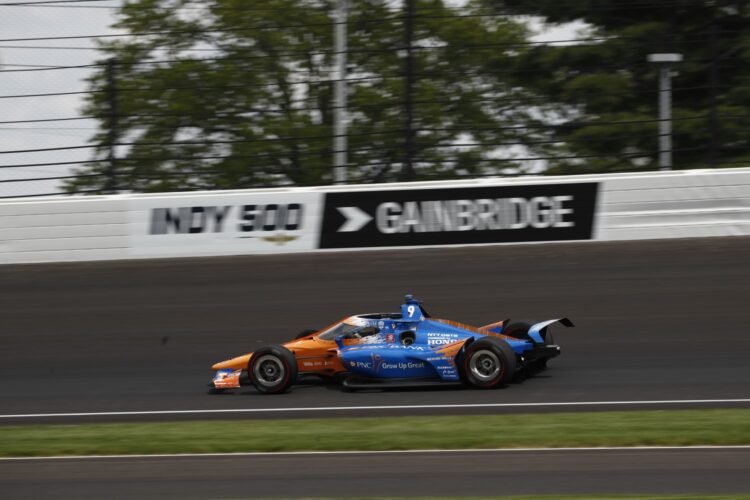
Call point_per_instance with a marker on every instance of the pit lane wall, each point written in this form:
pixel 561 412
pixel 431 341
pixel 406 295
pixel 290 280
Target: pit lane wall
pixel 652 205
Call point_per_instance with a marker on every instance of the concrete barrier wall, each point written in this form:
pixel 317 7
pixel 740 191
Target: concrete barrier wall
pixel 681 204
pixel 70 229
pixel 678 204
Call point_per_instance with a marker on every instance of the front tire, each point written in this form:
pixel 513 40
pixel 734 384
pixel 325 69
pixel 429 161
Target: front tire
pixel 272 369
pixel 487 363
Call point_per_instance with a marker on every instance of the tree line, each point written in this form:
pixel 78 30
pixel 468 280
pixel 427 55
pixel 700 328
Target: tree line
pixel 225 94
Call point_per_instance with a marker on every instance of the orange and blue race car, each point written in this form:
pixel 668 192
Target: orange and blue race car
pixel 406 348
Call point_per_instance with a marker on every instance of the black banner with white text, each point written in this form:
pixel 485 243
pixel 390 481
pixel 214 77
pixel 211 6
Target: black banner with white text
pixel 456 216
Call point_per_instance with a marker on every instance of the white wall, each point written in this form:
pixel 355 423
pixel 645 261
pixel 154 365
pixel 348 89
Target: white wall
pixel 94 228
pixel 678 204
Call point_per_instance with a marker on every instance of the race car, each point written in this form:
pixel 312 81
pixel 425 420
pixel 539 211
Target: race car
pixel 406 348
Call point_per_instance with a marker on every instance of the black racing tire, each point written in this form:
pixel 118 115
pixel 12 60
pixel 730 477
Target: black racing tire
pixel 272 369
pixel 518 330
pixel 305 333
pixel 487 363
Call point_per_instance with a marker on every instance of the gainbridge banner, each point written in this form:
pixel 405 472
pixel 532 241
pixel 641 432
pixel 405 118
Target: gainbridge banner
pixel 459 216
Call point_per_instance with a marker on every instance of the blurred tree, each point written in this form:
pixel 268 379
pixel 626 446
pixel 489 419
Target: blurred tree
pixel 607 92
pixel 225 94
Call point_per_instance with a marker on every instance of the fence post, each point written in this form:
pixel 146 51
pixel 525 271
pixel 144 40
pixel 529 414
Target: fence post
pixel 110 185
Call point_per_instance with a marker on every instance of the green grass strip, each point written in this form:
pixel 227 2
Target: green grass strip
pixel 561 497
pixel 632 428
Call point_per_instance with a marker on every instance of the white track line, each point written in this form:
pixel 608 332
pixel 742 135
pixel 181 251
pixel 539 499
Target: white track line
pixel 371 408
pixel 387 452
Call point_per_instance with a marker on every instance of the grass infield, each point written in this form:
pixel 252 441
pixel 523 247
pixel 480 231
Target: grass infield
pixel 564 497
pixel 630 428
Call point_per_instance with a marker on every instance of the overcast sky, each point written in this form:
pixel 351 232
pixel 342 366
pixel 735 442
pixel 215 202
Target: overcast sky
pixel 31 21
pixel 41 21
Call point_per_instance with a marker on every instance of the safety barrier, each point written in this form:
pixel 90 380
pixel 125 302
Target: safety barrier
pixel 675 204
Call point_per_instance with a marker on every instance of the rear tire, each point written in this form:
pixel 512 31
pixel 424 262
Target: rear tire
pixel 487 363
pixel 518 330
pixel 272 369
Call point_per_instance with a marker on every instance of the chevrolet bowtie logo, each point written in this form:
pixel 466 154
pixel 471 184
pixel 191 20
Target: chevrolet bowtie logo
pixel 280 239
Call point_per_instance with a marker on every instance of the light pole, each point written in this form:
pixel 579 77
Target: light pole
pixel 409 132
pixel 665 61
pixel 340 118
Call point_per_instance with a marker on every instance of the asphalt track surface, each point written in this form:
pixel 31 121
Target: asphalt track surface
pixel 656 320
pixel 490 473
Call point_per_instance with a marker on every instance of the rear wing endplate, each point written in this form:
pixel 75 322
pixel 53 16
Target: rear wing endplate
pixel 536 331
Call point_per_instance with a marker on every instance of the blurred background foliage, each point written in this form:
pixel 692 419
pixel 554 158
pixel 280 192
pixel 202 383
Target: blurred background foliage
pixel 609 86
pixel 224 94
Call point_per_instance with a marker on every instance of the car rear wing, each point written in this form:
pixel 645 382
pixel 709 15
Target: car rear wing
pixel 538 331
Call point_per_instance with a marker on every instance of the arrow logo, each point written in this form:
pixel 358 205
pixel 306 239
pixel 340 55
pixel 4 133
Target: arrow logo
pixel 356 219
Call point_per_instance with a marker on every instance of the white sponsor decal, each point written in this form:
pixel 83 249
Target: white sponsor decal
pixel 372 339
pixel 406 365
pixel 441 338
pixel 316 364
pixel 440 341
pixel 474 215
pixel 356 219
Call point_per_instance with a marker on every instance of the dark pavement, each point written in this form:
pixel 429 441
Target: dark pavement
pixel 594 472
pixel 656 320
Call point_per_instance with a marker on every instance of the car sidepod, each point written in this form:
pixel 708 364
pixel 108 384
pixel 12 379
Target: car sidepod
pixel 395 361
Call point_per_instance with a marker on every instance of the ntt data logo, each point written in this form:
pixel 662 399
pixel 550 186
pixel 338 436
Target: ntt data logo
pixel 547 212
